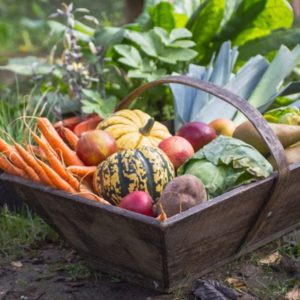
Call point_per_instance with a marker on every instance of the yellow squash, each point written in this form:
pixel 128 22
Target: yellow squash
pixel 133 128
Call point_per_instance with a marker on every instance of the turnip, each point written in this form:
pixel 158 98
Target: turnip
pixel 180 194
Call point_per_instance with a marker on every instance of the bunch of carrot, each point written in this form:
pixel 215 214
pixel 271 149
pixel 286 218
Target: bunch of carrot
pixel 52 161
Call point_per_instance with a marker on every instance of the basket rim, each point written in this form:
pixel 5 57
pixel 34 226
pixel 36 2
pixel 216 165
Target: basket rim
pixel 171 221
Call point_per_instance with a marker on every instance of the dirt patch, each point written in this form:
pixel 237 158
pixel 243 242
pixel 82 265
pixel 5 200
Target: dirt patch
pixel 55 272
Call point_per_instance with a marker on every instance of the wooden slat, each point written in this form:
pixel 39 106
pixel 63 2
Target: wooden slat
pixel 279 214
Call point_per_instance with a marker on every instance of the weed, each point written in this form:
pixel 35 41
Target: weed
pixel 78 271
pixel 20 230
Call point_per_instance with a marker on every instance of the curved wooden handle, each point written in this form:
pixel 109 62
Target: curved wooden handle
pixel 261 125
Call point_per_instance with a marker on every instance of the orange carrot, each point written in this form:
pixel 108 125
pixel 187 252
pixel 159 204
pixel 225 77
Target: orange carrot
pixel 9 168
pixel 69 122
pixel 31 161
pixel 36 151
pixel 69 136
pixel 86 125
pixel 55 163
pixel 11 153
pixel 82 171
pixel 85 192
pixel 59 146
pixel 56 179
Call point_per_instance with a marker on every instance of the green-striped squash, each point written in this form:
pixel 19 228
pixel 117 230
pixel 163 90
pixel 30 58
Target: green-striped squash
pixel 144 169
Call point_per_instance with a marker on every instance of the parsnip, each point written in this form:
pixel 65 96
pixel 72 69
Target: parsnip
pixel 287 135
pixel 292 155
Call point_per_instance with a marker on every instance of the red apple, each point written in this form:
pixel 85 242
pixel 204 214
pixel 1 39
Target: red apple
pixel 197 133
pixel 139 202
pixel 178 149
pixel 223 126
pixel 95 146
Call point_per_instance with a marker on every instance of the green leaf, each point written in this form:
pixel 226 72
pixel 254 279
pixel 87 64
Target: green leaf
pixel 131 57
pixel 270 43
pixel 284 115
pixel 95 104
pixel 156 74
pixel 205 22
pixel 109 36
pixel 180 33
pixel 173 55
pixel 183 44
pixel 246 12
pixel 144 40
pixel 277 14
pixel 162 15
pixel 27 66
pixel 180 20
pixel 256 18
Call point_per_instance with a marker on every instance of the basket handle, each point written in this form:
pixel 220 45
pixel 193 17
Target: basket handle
pixel 261 125
pixel 243 106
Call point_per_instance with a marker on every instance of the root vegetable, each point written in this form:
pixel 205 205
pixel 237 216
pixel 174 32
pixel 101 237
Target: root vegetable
pixel 287 135
pixel 292 155
pixel 180 194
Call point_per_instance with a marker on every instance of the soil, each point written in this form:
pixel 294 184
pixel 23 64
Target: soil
pixel 49 270
pixel 45 273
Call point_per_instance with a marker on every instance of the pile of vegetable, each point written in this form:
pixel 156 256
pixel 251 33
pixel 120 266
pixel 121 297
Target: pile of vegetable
pixel 134 162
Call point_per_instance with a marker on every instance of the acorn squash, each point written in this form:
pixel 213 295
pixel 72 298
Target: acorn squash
pixel 134 128
pixel 144 169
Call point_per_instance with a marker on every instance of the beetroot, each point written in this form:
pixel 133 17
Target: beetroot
pixel 180 194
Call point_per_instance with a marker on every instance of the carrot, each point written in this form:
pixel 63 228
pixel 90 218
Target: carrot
pixel 87 193
pixel 55 163
pixel 31 161
pixel 9 168
pixel 36 151
pixel 11 153
pixel 162 216
pixel 56 142
pixel 82 171
pixel 69 136
pixel 89 124
pixel 69 122
pixel 56 179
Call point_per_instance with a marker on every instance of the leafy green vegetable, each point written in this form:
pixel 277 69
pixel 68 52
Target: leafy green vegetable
pixel 284 115
pixel 258 82
pixel 241 22
pixel 226 163
pixel 162 16
pixel 205 22
pixel 269 43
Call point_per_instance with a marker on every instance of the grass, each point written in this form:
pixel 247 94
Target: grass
pixel 19 231
pixel 14 109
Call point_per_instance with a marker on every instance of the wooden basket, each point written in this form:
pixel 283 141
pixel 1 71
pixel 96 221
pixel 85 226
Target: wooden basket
pixel 166 255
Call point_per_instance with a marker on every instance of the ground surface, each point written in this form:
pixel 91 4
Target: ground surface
pixel 36 264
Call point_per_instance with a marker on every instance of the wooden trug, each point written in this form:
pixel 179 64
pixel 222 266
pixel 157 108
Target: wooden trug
pixel 166 255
